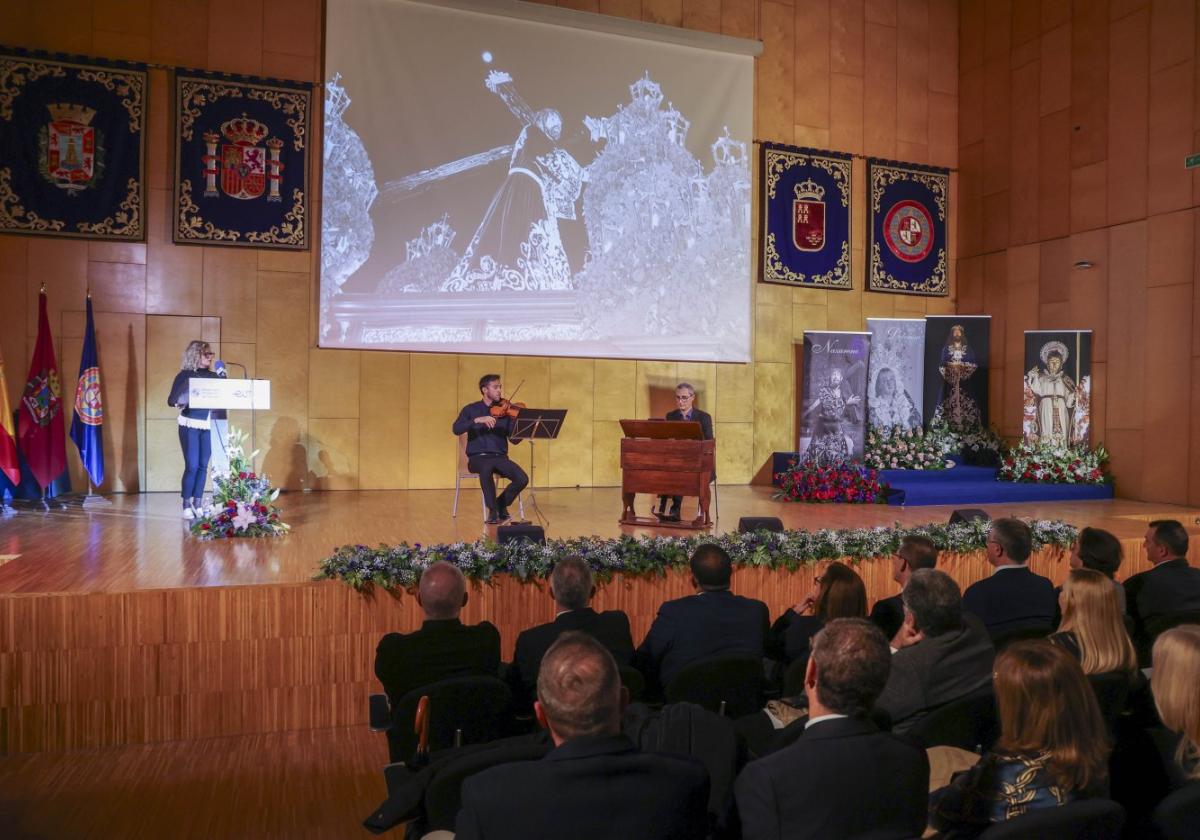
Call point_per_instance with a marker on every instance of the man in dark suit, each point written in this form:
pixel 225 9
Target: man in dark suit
pixel 572 587
pixel 712 622
pixel 915 552
pixel 1172 586
pixel 1013 598
pixel 444 647
pixel 685 409
pixel 843 777
pixel 940 653
pixel 594 783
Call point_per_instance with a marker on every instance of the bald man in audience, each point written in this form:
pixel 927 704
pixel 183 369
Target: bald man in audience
pixel 595 784
pixel 444 647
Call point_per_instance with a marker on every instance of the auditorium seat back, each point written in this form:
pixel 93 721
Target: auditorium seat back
pixel 1085 819
pixel 469 710
pixel 969 723
pixel 444 794
pixel 1178 816
pixel 1112 692
pixel 733 685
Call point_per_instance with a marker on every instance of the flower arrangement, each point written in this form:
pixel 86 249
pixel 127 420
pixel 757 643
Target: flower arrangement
pixel 400 566
pixel 1049 463
pixel 898 448
pixel 242 499
pixel 847 483
pixel 976 444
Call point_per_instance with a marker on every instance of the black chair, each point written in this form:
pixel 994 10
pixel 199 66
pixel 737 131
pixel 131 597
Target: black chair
pixel 634 682
pixel 1085 819
pixel 969 723
pixel 793 678
pixel 1154 627
pixel 444 794
pixel 1112 692
pixel 729 685
pixel 1007 637
pixel 1178 816
pixel 462 710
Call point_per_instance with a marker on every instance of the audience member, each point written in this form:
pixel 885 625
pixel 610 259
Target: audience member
pixel 843 777
pixel 595 783
pixel 1100 551
pixel 1052 748
pixel 1093 629
pixel 941 654
pixel 1172 586
pixel 915 552
pixel 838 592
pixel 572 587
pixel 444 647
pixel 710 623
pixel 1013 598
pixel 1175 683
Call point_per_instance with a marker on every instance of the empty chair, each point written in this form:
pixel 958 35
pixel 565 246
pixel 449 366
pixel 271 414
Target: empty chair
pixel 1178 816
pixel 732 685
pixel 969 723
pixel 462 710
pixel 1084 819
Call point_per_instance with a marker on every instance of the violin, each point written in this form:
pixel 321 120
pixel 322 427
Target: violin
pixel 505 407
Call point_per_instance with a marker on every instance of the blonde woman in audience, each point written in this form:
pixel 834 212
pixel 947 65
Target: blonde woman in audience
pixel 1093 629
pixel 1175 683
pixel 1052 747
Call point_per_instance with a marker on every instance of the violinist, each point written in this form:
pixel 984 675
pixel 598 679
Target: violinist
pixel 487 447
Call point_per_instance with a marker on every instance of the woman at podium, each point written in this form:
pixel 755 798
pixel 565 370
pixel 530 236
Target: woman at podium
pixel 685 409
pixel 194 425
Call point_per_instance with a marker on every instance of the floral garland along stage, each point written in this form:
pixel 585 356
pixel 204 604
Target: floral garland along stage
pixel 399 566
pixel 242 503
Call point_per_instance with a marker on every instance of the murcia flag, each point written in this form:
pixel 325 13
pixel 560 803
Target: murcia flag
pixel 9 465
pixel 89 410
pixel 40 414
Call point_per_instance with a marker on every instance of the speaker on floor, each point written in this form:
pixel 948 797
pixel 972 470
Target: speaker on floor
pixel 963 515
pixel 523 531
pixel 760 523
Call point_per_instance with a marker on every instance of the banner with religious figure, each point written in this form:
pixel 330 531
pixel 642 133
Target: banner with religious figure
pixel 896 372
pixel 833 409
pixel 956 370
pixel 1057 387
pixel 241 161
pixel 72 146
pixel 807 198
pixel 907 248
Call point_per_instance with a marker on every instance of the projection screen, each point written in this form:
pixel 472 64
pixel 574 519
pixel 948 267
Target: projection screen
pixel 501 185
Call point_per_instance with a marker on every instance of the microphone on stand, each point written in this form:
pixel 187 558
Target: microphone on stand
pixel 220 364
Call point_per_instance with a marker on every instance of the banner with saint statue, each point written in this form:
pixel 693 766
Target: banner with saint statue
pixel 1057 387
pixel 907 248
pixel 896 372
pixel 807 198
pixel 833 409
pixel 241 161
pixel 72 146
pixel 956 370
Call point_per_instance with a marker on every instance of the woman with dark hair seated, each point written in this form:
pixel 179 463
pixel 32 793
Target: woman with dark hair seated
pixel 1052 749
pixel 1092 629
pixel 838 592
pixel 1100 551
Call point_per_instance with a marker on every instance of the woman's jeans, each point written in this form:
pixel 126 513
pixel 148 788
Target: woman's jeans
pixel 197 446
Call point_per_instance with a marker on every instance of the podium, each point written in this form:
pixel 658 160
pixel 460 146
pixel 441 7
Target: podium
pixel 233 395
pixel 666 458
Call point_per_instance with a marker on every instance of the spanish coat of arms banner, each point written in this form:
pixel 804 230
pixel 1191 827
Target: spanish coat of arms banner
pixel 241 161
pixel 907 248
pixel 72 146
pixel 806 217
pixel 1057 388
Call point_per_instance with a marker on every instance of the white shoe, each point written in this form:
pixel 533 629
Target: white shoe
pixel 188 513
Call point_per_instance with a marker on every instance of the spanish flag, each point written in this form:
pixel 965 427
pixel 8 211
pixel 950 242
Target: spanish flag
pixel 8 435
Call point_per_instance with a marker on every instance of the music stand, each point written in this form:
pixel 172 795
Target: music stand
pixel 537 424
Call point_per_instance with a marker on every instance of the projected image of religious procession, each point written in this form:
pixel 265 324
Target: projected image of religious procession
pixel 522 203
pixel 834 406
pixel 1057 387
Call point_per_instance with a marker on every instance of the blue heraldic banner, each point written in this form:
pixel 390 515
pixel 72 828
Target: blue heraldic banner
pixel 907 251
pixel 241 161
pixel 806 217
pixel 72 146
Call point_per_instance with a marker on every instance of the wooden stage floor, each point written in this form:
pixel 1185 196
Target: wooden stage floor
pixel 141 543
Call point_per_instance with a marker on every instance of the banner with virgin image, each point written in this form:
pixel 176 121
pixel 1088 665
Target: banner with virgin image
pixel 956 369
pixel 896 373
pixel 833 409
pixel 807 197
pixel 1057 387
pixel 907 248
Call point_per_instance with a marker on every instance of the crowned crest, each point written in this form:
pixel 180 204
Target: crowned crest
pixel 808 216
pixel 246 168
pixel 70 147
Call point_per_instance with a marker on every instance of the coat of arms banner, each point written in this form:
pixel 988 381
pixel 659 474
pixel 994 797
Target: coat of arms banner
pixel 72 146
pixel 907 250
pixel 241 161
pixel 806 217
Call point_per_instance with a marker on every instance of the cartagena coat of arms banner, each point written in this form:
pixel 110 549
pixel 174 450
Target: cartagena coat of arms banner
pixel 806 217
pixel 72 146
pixel 907 250
pixel 241 161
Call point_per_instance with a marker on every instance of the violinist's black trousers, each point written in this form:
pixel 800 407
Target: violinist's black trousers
pixel 488 466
